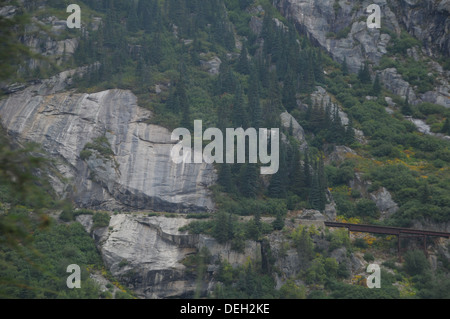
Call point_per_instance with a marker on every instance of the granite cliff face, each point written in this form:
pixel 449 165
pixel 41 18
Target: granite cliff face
pixel 340 27
pixel 138 172
pixel 427 20
pixel 149 254
pixel 319 19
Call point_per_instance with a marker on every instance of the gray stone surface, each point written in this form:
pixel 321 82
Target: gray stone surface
pixel 427 20
pixel 147 254
pixel 299 134
pixel 140 174
pixel 384 202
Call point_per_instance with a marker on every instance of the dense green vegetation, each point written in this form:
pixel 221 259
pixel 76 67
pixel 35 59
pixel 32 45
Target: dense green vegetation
pixel 167 44
pixel 35 250
pixel 147 43
pixel 40 269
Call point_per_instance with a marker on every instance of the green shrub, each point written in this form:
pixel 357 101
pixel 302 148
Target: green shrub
pixel 366 208
pixel 122 295
pixel 100 219
pixel 368 257
pixel 85 154
pixel 66 215
pixel 415 262
pixel 198 215
pixel 360 243
pixel 100 144
pixel 290 290
pixel 339 238
pixel 402 44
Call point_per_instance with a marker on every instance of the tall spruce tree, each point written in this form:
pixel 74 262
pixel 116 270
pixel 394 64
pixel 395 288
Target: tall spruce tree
pixel 406 108
pixel 249 180
pixel 317 194
pixel 225 178
pixel 239 109
pixel 376 88
pixel 297 183
pixel 132 19
pixel 446 127
pixel 345 66
pixel 289 95
pixel 364 73
pixel 243 65
pixel 350 133
pixel 278 182
pixel 254 104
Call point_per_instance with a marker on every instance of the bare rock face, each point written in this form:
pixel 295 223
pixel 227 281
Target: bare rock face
pixel 137 172
pixel 322 18
pixel 384 202
pixel 340 27
pixel 427 20
pixel 289 122
pixel 148 254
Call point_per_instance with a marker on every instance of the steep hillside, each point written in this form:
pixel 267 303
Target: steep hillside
pixel 365 138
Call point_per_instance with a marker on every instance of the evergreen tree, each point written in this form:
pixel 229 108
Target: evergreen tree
pixel 254 104
pixel 132 20
pixel 155 54
pixel 273 106
pixel 345 67
pixel 316 119
pixel 305 247
pixel 406 108
pixel 222 227
pixel 254 228
pixel 315 199
pixel 376 88
pixel 317 65
pixel 297 176
pixel 276 187
pixel 309 77
pixel 364 73
pixel 349 133
pixel 243 65
pixel 186 116
pixel 226 81
pixel 278 223
pixel 239 109
pixel 337 129
pixel 225 178
pixel 172 102
pixel 180 101
pixel 268 33
pixel 262 66
pixel 307 171
pixel 446 127
pixel 289 95
pixel 249 180
pixel 322 183
pixel 278 182
pixel 424 193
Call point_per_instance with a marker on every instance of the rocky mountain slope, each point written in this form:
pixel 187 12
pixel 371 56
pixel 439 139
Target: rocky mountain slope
pixel 133 171
pixel 340 27
pixel 107 156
